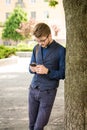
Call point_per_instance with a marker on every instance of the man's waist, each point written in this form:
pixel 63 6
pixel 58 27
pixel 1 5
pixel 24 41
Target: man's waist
pixel 42 88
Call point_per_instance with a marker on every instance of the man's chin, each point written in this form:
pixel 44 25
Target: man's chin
pixel 43 46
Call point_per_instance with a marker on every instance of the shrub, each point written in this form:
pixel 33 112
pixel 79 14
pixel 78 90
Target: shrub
pixel 6 51
pixel 25 46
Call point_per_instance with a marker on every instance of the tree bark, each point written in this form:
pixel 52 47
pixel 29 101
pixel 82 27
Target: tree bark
pixel 76 65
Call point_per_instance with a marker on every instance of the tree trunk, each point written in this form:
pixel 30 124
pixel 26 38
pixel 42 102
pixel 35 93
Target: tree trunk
pixel 76 65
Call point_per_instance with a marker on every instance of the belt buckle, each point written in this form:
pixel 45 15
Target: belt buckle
pixel 37 87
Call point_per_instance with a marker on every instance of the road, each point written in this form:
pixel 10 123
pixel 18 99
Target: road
pixel 14 84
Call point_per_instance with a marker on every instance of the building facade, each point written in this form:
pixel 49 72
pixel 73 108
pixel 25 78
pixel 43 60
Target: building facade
pixel 39 10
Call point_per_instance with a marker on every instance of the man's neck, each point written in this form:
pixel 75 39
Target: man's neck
pixel 49 43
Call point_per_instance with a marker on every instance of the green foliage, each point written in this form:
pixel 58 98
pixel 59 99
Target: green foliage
pixel 12 23
pixel 22 47
pixel 25 47
pixel 45 0
pixel 6 51
pixel 53 3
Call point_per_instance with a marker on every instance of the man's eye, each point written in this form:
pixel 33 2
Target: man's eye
pixel 42 41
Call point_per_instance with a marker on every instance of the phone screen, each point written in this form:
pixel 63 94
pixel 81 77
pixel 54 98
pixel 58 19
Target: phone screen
pixel 33 64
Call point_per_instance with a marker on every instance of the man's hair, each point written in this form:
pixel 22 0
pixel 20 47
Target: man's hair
pixel 41 29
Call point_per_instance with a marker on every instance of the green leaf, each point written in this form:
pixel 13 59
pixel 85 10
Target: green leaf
pixel 53 3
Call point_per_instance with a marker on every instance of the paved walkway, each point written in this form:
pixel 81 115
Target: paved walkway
pixel 14 83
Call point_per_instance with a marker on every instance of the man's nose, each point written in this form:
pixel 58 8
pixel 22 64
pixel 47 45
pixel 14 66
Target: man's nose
pixel 40 43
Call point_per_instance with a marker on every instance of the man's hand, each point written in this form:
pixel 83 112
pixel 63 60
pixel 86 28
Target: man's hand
pixel 41 69
pixel 33 68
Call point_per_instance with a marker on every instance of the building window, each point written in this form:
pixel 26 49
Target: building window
pixel 32 1
pixel 20 1
pixel 8 1
pixel 33 14
pixel 46 14
pixel 7 15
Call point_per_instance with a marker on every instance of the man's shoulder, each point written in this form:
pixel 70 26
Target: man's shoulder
pixel 36 46
pixel 59 45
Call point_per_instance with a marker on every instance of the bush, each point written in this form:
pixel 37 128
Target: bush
pixel 6 51
pixel 25 46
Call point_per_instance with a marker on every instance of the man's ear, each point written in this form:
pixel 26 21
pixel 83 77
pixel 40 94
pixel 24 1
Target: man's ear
pixel 50 36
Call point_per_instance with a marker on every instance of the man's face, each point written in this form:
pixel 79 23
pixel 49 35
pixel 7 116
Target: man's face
pixel 43 41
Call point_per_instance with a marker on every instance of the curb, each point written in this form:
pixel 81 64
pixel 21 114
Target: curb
pixel 14 59
pixel 24 54
pixel 8 61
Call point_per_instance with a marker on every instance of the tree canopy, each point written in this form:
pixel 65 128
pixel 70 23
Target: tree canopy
pixel 12 23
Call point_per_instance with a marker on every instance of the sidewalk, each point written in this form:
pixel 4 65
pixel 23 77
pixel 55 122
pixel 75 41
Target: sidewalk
pixel 14 83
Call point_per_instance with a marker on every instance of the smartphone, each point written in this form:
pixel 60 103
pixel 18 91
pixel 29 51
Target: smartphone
pixel 33 64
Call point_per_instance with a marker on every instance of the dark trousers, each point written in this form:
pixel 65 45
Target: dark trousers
pixel 40 106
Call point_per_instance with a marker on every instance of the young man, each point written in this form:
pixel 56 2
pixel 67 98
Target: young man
pixel 48 66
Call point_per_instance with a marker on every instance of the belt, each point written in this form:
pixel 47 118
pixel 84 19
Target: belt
pixel 37 87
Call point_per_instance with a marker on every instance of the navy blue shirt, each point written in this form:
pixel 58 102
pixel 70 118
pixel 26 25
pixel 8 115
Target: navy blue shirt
pixel 52 57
